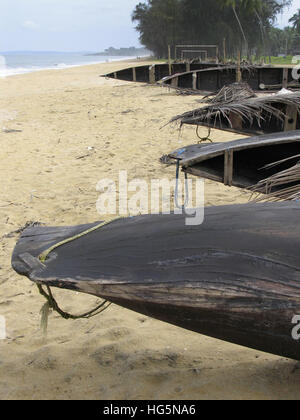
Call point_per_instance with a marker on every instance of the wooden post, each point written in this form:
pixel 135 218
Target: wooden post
pixel 291 118
pixel 238 70
pixel 133 74
pixel 169 60
pixel 224 50
pixel 152 74
pixel 194 81
pixel 285 78
pixel 228 168
pixel 174 82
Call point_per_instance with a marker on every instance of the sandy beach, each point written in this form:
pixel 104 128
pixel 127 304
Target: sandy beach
pixel 60 133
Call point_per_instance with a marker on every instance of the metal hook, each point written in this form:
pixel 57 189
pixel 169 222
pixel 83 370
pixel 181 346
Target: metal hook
pixel 187 199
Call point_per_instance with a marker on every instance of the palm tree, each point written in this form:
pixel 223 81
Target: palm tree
pixel 248 6
pixel 295 20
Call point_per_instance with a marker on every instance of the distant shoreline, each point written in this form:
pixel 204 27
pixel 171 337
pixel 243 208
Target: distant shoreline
pixel 121 52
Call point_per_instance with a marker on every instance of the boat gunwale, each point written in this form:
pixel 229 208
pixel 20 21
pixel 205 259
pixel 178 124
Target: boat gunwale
pixel 215 150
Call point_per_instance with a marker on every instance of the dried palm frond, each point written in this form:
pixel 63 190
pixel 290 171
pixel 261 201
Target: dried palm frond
pixel 233 93
pixel 282 186
pixel 188 92
pixel 249 111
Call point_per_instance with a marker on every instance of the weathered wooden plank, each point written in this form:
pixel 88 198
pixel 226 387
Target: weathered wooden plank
pixel 228 168
pixel 174 82
pixel 152 74
pixel 290 123
pixel 285 78
pixel 134 74
pixel 194 85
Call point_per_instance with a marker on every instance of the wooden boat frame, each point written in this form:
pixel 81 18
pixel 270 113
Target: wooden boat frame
pixel 259 78
pixel 155 72
pixel 217 161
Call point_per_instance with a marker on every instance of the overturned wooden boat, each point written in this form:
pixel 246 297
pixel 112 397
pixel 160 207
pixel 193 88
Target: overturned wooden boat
pixel 241 163
pixel 210 80
pixel 258 115
pixel 156 72
pixel 236 277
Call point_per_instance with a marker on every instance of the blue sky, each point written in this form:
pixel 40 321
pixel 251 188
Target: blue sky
pixel 73 25
pixel 66 25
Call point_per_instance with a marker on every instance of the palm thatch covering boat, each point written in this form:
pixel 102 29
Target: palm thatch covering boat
pixel 239 91
pixel 235 278
pixel 259 115
pixel 283 185
pixel 243 163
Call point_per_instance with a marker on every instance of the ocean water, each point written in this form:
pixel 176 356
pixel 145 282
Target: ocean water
pixel 13 63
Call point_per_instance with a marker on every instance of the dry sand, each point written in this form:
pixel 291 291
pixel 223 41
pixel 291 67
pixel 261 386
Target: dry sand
pixel 120 354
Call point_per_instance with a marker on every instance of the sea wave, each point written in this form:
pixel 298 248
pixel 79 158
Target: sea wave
pixel 6 71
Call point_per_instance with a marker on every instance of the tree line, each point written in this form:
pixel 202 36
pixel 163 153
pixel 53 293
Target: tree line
pixel 246 25
pixel 122 52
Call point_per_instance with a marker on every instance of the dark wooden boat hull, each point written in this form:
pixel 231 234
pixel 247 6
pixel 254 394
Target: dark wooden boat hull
pixel 240 163
pixel 235 278
pixel 213 79
pixel 156 72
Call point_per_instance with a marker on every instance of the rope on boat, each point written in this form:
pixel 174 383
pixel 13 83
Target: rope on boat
pixel 44 255
pixel 203 139
pixel 51 302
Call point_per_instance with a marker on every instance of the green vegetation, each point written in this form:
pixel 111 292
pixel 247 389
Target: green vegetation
pixel 246 25
pixel 124 52
pixel 282 60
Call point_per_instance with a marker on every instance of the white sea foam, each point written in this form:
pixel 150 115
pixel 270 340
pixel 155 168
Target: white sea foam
pixel 7 70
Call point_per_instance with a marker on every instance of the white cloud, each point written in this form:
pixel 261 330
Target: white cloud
pixel 30 24
pixel 66 25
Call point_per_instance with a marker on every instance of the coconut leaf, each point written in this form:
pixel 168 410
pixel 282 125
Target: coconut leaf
pixel 249 111
pixel 233 93
pixel 281 186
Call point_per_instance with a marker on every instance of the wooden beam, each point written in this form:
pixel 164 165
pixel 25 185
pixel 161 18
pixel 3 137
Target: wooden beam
pixel 169 60
pixel 224 50
pixel 174 82
pixel 152 74
pixel 238 70
pixel 285 78
pixel 228 168
pixel 194 87
pixel 290 123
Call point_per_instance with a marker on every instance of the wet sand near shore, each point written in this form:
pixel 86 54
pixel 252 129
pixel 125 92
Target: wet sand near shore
pixel 60 133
